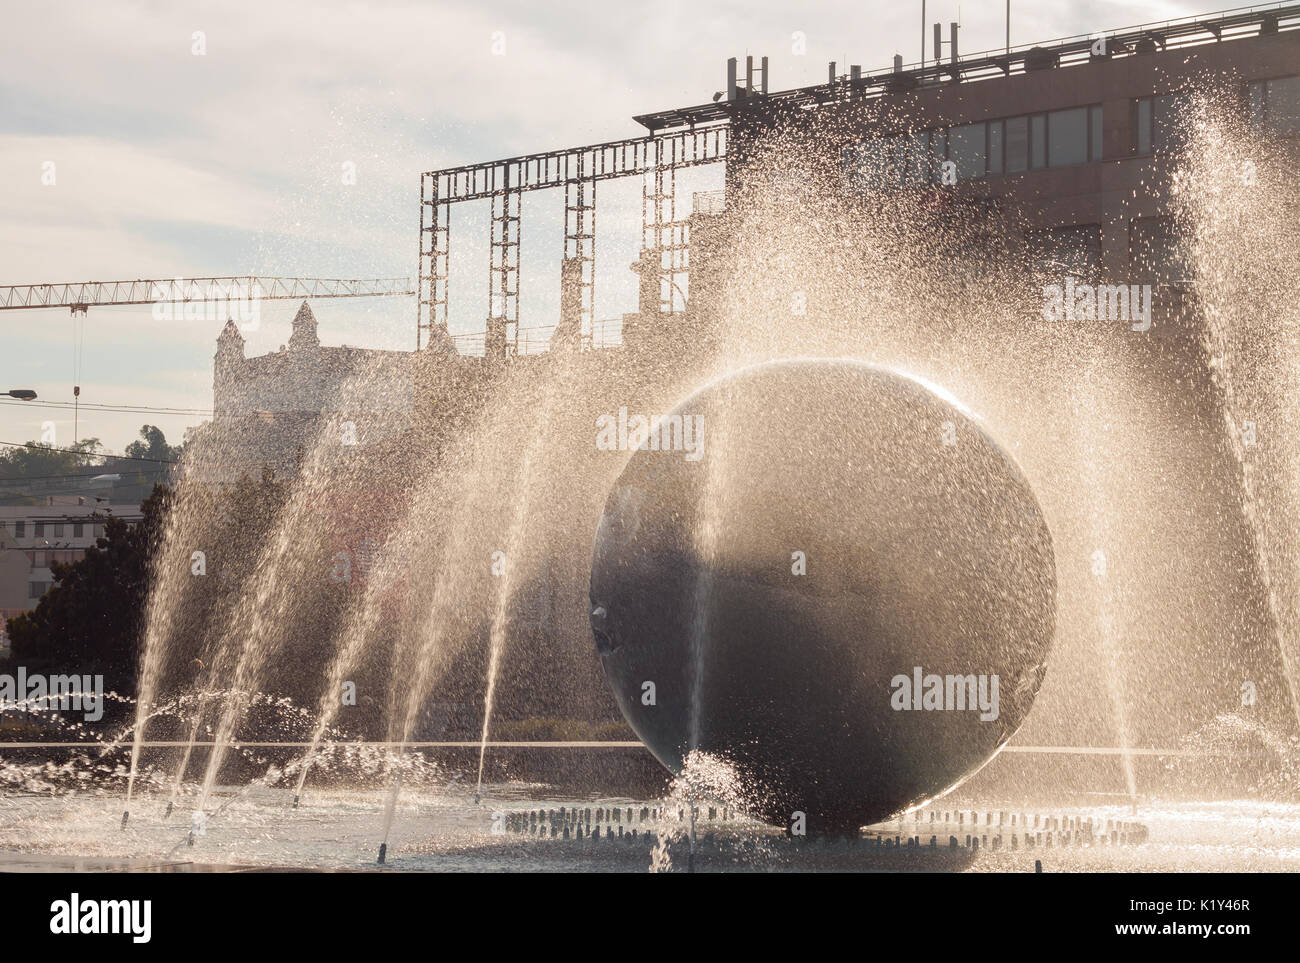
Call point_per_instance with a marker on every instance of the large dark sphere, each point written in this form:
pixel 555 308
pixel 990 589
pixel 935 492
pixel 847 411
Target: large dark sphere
pixel 923 546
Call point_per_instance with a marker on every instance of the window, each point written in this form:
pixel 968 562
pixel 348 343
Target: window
pixel 882 163
pixel 916 158
pixel 1067 137
pixel 938 148
pixel 20 529
pixel 1017 144
pixel 867 166
pixel 1275 105
pixel 40 529
pixel 78 529
pixel 1072 250
pixel 99 530
pixel 58 531
pixel 967 150
pixel 1061 138
pixel 1142 126
pixel 36 589
pixel 38 559
pixel 1160 124
pixel 1157 254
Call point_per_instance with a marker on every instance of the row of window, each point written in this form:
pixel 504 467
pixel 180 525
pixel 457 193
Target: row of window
pixel 1160 125
pixel 42 559
pixel 1157 253
pixel 1275 105
pixel 1058 138
pixel 53 529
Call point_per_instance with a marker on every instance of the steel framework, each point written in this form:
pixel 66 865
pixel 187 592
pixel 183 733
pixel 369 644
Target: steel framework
pixel 577 171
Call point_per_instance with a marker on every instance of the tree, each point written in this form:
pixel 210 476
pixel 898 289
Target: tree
pixel 38 458
pixel 153 446
pixel 44 464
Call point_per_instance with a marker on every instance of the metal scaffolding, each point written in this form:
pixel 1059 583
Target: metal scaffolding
pixel 576 170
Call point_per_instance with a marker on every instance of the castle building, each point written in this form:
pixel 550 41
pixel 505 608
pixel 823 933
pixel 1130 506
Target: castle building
pixel 268 409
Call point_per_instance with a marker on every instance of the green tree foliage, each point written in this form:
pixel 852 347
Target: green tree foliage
pixel 153 446
pixel 37 469
pixel 45 465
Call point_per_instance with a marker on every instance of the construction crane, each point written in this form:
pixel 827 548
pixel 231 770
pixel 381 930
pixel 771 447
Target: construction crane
pixel 80 295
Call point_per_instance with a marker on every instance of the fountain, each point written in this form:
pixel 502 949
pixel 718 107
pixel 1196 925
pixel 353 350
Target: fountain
pixel 864 506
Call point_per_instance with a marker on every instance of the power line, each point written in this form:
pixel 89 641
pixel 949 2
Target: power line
pixel 88 454
pixel 125 409
pixel 12 479
pixel 98 516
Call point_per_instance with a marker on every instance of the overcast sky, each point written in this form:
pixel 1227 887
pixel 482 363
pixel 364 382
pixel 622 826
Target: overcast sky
pixel 168 162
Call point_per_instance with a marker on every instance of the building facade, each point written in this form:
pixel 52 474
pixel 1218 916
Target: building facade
pixel 33 537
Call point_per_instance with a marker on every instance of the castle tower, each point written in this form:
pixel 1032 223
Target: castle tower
pixel 304 337
pixel 227 371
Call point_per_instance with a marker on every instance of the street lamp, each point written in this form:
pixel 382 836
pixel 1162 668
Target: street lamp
pixel 22 394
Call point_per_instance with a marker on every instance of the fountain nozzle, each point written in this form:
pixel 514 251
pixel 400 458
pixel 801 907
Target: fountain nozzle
pixel 126 814
pixel 295 802
pixel 383 851
pixel 169 810
pixel 189 841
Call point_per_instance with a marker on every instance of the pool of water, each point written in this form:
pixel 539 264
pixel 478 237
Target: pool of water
pixel 445 830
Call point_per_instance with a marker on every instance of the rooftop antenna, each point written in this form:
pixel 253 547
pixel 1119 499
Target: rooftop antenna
pixel 939 42
pixel 1008 28
pixel 923 33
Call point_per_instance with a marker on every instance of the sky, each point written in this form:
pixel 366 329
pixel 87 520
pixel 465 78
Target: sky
pixel 193 139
